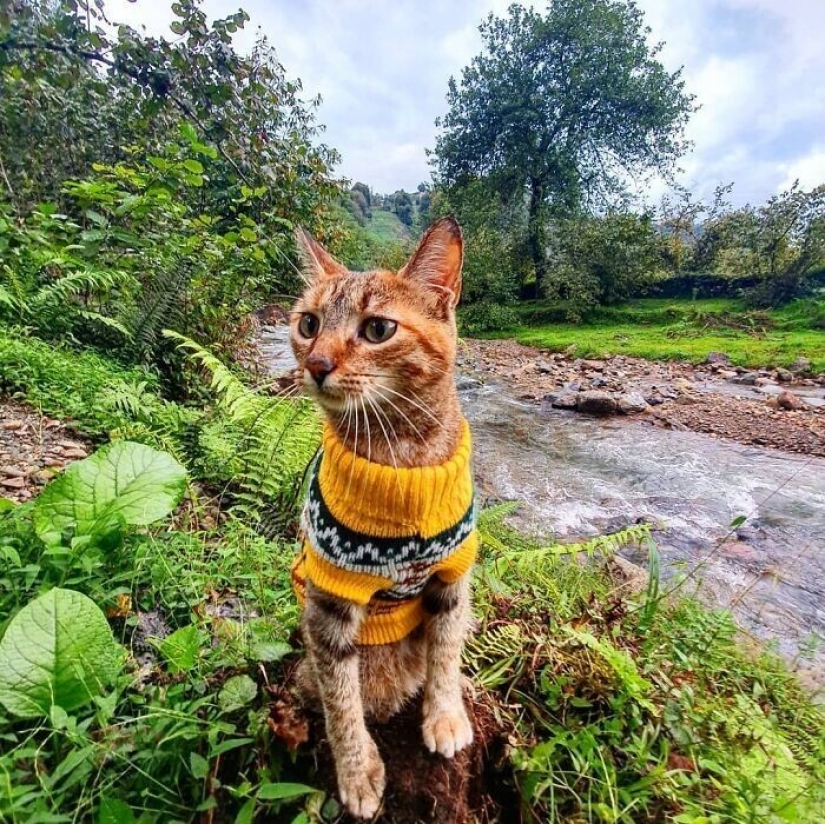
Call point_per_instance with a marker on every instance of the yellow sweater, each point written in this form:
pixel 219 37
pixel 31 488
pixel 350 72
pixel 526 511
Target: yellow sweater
pixel 375 535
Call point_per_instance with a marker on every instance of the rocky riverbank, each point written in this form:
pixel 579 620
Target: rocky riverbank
pixel 780 408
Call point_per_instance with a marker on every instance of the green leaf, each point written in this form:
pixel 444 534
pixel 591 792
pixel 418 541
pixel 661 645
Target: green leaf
pixel 246 814
pixel 270 651
pixel 198 765
pixel 114 811
pixel 124 483
pixel 237 692
pixel 6 505
pixel 194 166
pixel 281 791
pixel 59 649
pixel 180 649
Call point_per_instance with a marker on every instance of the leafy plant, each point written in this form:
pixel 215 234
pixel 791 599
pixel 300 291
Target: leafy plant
pixel 123 484
pixel 58 651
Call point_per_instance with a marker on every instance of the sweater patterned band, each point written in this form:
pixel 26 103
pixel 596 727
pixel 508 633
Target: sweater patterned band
pixel 403 559
pixel 375 535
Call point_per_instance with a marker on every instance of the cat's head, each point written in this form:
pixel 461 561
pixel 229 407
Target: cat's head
pixel 365 337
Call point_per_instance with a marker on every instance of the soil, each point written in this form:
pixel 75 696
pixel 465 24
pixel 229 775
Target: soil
pixel 702 398
pixel 33 449
pixel 421 787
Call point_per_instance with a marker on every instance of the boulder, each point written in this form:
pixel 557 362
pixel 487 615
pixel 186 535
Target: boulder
pixel 717 359
pixel 595 402
pixel 800 366
pixel 745 379
pixel 790 402
pixel 562 400
pixel 631 403
pixel 783 375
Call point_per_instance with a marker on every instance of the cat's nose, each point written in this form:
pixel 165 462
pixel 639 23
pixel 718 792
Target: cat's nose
pixel 319 367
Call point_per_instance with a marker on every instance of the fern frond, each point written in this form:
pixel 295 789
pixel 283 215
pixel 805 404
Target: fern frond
pixel 7 299
pixel 105 320
pixel 75 283
pixel 273 438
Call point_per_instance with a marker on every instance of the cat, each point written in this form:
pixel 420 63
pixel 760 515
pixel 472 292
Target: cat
pixel 389 523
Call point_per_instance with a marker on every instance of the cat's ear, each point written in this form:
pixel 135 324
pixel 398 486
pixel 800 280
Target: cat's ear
pixel 316 262
pixel 436 263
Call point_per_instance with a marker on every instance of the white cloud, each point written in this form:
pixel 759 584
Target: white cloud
pixel 382 69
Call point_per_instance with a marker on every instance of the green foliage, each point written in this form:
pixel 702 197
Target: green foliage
pixel 559 108
pixel 58 651
pixel 122 484
pixel 619 718
pixel 267 442
pixel 679 330
pixel 597 261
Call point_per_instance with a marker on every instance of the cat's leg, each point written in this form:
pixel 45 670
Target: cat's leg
pixel 446 727
pixel 330 627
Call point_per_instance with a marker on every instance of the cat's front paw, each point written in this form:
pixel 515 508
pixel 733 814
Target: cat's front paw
pixel 447 731
pixel 361 782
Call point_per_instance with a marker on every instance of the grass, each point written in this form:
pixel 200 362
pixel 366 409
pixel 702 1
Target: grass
pixel 681 330
pixel 616 708
pixel 384 226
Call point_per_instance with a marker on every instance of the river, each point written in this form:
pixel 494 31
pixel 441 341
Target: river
pixel 578 476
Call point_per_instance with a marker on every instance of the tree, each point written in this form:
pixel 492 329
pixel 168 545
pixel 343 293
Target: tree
pixel 780 244
pixel 561 108
pixel 403 207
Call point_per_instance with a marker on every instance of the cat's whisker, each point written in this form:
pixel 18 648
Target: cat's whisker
pixel 377 411
pixel 426 410
pixel 401 412
pixel 367 427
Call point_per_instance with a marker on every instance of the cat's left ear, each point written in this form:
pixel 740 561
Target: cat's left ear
pixel 316 262
pixel 436 263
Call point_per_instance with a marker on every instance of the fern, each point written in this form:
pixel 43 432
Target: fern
pixel 273 438
pixel 160 306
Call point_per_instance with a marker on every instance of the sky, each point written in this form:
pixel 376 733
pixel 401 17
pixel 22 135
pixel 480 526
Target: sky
pixel 757 68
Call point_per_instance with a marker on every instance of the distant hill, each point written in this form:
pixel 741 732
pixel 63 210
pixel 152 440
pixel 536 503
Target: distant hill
pixel 387 217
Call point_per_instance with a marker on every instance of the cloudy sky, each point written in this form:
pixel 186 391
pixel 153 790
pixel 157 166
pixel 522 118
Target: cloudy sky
pixel 757 68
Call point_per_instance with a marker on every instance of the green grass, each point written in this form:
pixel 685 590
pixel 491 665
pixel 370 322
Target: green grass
pixel 384 226
pixel 681 330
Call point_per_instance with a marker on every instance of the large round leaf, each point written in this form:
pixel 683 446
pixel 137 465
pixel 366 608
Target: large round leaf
pixel 58 650
pixel 123 483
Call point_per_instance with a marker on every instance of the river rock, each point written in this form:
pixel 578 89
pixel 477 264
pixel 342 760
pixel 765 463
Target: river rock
pixel 784 375
pixel 763 381
pixel 745 379
pixel 727 374
pixel 563 400
pixel 717 359
pixel 631 403
pixel 543 367
pixel 595 365
pixel 801 366
pixel 790 402
pixel 683 385
pixel 595 402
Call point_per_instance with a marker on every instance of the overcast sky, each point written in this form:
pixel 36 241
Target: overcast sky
pixel 757 68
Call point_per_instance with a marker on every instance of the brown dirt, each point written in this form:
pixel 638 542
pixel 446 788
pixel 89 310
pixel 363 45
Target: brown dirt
pixel 33 449
pixel 680 392
pixel 422 787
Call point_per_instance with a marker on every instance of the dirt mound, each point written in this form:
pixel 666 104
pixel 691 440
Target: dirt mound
pixel 473 787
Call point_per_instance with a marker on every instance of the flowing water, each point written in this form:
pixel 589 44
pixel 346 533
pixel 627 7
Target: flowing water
pixel 578 476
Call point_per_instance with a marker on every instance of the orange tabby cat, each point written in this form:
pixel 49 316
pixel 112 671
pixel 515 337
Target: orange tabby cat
pixel 389 521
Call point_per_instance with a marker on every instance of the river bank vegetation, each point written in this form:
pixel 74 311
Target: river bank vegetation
pixel 148 193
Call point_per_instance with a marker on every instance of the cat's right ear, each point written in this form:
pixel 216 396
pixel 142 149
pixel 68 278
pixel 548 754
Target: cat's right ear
pixel 316 262
pixel 436 263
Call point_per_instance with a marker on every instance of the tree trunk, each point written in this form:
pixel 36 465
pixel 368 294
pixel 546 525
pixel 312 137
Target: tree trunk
pixel 534 233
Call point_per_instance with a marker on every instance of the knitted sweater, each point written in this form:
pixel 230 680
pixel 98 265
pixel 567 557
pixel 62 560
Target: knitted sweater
pixel 374 535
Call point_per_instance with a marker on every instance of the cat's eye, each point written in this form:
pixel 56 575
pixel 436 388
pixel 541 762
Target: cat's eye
pixel 309 325
pixel 377 330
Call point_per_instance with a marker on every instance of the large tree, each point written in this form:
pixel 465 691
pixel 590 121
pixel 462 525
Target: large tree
pixel 562 108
